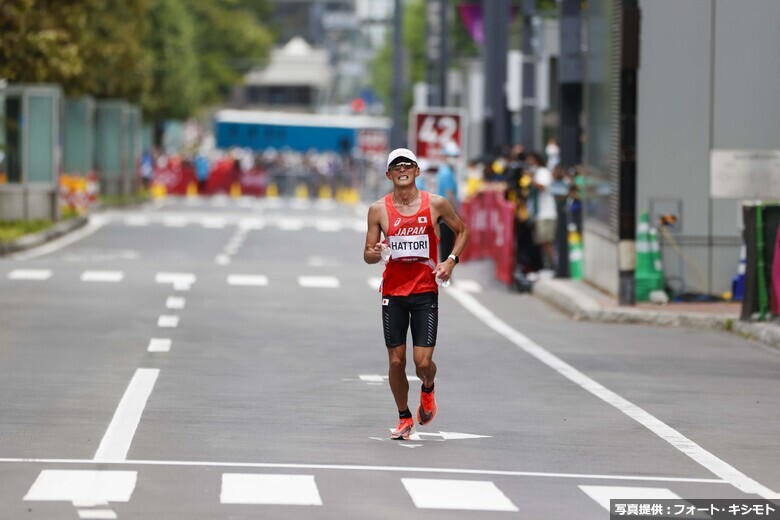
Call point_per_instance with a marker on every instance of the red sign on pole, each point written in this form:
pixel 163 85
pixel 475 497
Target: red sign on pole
pixel 433 129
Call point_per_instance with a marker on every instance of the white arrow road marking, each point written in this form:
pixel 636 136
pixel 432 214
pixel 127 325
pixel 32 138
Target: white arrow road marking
pixel 29 274
pixel 603 494
pixel 241 488
pixel 83 486
pixel 448 436
pixel 406 445
pixel 378 378
pixel 472 495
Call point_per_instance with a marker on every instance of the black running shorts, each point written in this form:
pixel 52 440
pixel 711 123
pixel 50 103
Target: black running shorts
pixel 421 310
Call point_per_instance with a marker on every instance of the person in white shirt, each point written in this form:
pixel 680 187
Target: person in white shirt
pixel 545 212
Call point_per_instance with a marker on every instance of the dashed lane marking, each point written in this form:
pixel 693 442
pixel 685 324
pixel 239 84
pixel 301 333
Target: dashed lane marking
pixel 97 514
pixel 102 276
pixel 472 495
pixel 174 278
pixel 159 345
pixel 319 282
pixel 603 494
pixel 247 280
pixel 83 486
pixel 168 322
pixel 242 488
pixel 30 274
pixel 175 302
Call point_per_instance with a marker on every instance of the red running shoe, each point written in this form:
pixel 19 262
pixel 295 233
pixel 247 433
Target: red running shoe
pixel 427 409
pixel 403 430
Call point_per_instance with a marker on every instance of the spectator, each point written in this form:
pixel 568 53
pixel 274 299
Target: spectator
pixel 447 187
pixel 544 210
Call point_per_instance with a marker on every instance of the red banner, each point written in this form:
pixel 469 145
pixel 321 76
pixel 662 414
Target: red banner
pixel 491 220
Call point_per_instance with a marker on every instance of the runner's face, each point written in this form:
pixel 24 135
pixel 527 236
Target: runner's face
pixel 403 173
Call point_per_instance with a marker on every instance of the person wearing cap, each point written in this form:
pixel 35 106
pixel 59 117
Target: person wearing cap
pixel 408 220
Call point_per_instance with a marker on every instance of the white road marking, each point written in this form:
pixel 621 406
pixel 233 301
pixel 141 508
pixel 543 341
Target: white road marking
pixel 249 280
pixel 181 286
pixel 706 459
pixel 248 224
pixel 328 226
pixel 375 283
pixel 326 204
pixel 174 278
pixel 213 222
pixel 603 494
pixel 102 276
pixel 320 282
pixel 137 221
pixel 168 322
pixel 379 378
pixel 97 514
pixel 29 274
pixel 300 204
pixel 177 222
pixel 472 495
pixel 87 503
pixel 95 223
pixel 159 345
pixel 470 286
pixel 83 486
pixel 175 302
pixel 360 226
pixel 449 436
pixel 391 469
pixel 242 488
pixel 119 435
pixel 290 224
pixel 223 260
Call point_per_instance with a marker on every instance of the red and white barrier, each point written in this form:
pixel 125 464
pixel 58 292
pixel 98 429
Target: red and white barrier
pixel 491 220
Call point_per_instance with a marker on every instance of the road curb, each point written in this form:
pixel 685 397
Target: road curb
pixel 580 306
pixel 36 239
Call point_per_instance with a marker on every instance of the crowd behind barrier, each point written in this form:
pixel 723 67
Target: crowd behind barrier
pixel 519 206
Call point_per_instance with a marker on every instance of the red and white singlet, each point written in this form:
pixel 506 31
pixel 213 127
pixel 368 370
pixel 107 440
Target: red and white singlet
pixel 414 245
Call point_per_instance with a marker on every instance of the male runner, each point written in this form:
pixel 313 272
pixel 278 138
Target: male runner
pixel 408 218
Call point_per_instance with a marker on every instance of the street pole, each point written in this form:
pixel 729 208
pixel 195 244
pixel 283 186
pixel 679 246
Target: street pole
pixel 629 65
pixel 570 67
pixel 496 14
pixel 528 112
pixel 443 52
pixel 397 134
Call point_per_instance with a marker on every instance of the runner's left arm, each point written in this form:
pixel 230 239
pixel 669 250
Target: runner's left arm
pixel 372 253
pixel 444 210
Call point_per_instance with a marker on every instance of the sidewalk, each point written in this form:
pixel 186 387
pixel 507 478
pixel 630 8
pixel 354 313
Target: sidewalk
pixel 584 302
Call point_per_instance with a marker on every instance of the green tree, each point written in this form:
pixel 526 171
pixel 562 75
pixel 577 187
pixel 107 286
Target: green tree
pixel 175 74
pixel 229 41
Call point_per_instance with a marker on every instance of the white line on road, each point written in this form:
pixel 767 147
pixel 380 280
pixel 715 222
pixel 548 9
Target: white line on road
pixel 168 322
pixel 320 282
pixel 472 495
pixel 102 276
pixel 298 490
pixel 248 280
pixel 29 274
pixel 223 259
pixel 175 302
pixel 603 494
pixel 396 469
pixel 159 345
pixel 83 486
pixel 137 221
pixel 174 278
pixel 97 514
pixel 709 461
pixel 119 435
pixel 95 223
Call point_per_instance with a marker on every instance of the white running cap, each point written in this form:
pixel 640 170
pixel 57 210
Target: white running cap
pixel 401 152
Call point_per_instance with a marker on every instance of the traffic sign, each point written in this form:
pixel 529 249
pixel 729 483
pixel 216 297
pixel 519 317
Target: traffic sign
pixel 431 129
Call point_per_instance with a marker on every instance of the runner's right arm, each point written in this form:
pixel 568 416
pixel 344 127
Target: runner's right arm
pixel 373 250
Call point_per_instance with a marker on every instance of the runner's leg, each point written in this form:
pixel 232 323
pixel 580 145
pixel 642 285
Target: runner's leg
pixel 399 384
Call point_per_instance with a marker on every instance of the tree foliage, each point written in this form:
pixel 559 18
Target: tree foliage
pixel 169 55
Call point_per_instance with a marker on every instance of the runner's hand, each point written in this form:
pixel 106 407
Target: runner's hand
pixel 444 270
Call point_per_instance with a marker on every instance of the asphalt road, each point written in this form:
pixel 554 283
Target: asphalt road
pixel 223 358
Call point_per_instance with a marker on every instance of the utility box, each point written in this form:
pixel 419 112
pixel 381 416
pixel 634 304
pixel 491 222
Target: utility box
pixel 30 150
